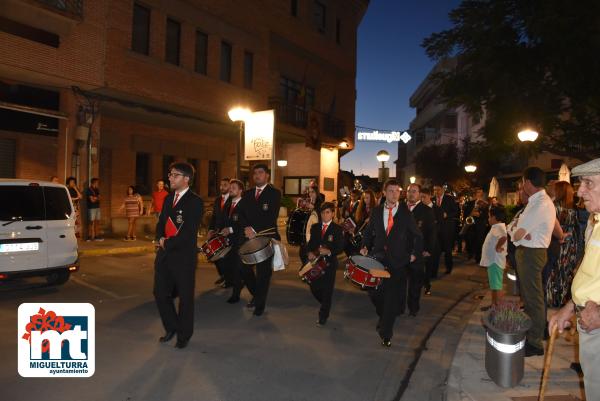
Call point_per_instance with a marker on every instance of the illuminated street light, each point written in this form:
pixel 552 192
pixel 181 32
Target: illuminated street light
pixel 413 179
pixel 282 163
pixel 470 168
pixel 384 172
pixel 527 135
pixel 344 145
pixel 383 156
pixel 239 115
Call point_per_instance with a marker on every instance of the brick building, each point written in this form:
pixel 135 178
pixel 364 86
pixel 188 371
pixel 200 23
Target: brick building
pixel 119 89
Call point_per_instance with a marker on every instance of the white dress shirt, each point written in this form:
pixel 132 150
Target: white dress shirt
pixel 411 207
pixel 180 195
pixel 537 220
pixel 234 203
pixel 488 250
pixel 386 212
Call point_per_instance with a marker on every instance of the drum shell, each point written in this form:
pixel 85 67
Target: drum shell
pixel 360 275
pixel 263 252
pixel 316 272
pixel 216 248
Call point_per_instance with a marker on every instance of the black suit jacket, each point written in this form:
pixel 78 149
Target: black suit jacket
pixel 261 213
pixel 404 239
pixel 181 249
pixel 217 221
pixel 449 206
pixel 332 240
pixel 425 220
pixel 232 219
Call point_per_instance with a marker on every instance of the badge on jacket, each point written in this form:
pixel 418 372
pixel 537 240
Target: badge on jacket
pixel 330 238
pixel 265 207
pixel 235 217
pixel 179 218
pixel 420 223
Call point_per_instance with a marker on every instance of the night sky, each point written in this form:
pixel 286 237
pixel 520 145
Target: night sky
pixel 391 64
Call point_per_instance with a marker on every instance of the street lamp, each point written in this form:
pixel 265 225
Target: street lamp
pixel 413 179
pixel 527 135
pixel 282 163
pixel 239 115
pixel 344 144
pixel 470 168
pixel 383 156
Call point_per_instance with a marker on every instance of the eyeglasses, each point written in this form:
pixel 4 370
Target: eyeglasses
pixel 174 175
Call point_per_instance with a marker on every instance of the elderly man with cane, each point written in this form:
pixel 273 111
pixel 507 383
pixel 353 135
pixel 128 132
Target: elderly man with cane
pixel 585 289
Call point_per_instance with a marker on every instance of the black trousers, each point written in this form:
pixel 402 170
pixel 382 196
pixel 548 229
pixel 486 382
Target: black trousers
pixel 428 265
pixel 170 282
pixel 445 244
pixel 258 284
pixel 233 268
pixel 385 299
pixel 322 290
pixel 413 279
pixel 221 268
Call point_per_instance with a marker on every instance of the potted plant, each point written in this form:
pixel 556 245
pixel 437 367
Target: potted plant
pixel 506 325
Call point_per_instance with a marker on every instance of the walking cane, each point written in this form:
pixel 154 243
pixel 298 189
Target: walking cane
pixel 547 362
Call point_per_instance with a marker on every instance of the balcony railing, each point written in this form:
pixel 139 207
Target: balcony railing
pixel 297 116
pixel 67 7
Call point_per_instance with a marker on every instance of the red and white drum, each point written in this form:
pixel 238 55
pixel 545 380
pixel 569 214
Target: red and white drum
pixel 313 270
pixel 216 248
pixel 365 271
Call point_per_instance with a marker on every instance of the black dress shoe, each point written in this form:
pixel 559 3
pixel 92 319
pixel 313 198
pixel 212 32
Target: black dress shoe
pixel 258 311
pixel 531 350
pixel 413 314
pixel 233 299
pixel 321 322
pixel 251 304
pixel 386 342
pixel 428 291
pixel 167 337
pixel 181 343
pixel 220 280
pixel 226 285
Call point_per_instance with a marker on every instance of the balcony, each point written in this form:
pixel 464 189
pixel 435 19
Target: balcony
pixel 73 8
pixel 296 116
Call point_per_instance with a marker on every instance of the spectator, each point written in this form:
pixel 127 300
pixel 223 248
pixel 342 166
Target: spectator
pixel 493 253
pixel 133 206
pixel 76 197
pixel 586 284
pixel 531 236
pixel 158 198
pixel 93 204
pixel 54 179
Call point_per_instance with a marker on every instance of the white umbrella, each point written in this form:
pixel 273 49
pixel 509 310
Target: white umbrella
pixel 494 188
pixel 564 174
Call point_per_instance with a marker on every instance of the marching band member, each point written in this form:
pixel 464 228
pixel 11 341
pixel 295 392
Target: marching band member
pixel 177 255
pixel 326 240
pixel 446 213
pixel 312 203
pixel 396 243
pixel 258 211
pixel 216 224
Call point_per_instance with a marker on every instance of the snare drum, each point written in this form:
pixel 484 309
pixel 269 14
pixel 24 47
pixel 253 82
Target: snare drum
pixel 358 271
pixel 216 248
pixel 313 270
pixel 298 226
pixel 256 250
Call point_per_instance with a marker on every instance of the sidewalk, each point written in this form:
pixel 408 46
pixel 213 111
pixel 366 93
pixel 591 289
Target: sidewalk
pixel 468 379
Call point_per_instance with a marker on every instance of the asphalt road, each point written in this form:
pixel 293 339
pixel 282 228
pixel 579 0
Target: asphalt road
pixel 233 355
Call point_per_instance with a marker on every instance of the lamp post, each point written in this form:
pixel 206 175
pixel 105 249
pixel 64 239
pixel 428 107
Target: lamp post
pixel 383 156
pixel 527 135
pixel 239 115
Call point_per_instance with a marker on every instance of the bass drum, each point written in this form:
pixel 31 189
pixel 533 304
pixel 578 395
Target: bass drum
pixel 298 226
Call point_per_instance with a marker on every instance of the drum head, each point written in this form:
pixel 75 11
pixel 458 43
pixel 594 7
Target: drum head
pixel 254 245
pixel 314 218
pixel 367 262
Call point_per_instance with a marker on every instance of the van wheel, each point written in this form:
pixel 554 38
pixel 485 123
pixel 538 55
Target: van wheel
pixel 58 278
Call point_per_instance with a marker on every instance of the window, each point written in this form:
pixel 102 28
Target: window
pixel 213 178
pixel 140 33
pixel 58 205
pixel 296 93
pixel 450 121
pixel 294 8
pixel 225 62
pixel 24 202
pixel 248 69
pixel 173 39
pixel 142 174
pixel 166 162
pixel 194 163
pixel 338 31
pixel 201 52
pixel 320 16
pixel 29 32
pixel 295 186
pixel 8 149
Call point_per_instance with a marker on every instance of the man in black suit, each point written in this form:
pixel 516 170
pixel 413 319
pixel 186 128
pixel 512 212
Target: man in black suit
pixel 258 211
pixel 425 221
pixel 446 213
pixel 176 257
pixel 234 231
pixel 396 243
pixel 473 234
pixel 326 240
pixel 217 222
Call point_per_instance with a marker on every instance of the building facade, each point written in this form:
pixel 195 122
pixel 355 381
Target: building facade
pixel 119 89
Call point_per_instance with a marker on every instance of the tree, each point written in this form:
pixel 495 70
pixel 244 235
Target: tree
pixel 526 63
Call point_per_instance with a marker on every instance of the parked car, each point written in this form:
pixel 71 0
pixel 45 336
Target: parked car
pixel 37 231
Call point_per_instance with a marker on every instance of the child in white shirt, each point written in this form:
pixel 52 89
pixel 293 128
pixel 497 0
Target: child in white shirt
pixel 493 252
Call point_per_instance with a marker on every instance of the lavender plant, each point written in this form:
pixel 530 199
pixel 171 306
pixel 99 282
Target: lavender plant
pixel 506 316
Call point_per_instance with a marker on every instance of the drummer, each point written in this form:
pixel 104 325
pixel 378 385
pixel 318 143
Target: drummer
pixel 396 242
pixel 234 231
pixel 312 203
pixel 258 211
pixel 326 241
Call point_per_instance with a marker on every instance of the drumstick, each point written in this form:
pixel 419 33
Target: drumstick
pixel 547 362
pixel 267 231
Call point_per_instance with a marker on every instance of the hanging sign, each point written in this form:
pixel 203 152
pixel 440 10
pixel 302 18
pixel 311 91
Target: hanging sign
pixel 259 135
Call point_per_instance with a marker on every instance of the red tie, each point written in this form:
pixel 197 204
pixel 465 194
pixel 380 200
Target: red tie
pixel 258 191
pixel 176 198
pixel 222 202
pixel 323 230
pixel 439 201
pixel 390 220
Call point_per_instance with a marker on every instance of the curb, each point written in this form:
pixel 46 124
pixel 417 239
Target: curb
pixel 116 251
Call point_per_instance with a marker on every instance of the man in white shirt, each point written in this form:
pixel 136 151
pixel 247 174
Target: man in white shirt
pixel 531 236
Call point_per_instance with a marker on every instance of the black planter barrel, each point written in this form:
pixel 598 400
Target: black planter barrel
pixel 504 355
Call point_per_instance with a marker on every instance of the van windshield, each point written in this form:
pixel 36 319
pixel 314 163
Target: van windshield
pixel 21 203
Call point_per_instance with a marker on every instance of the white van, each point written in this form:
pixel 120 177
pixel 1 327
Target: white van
pixel 37 231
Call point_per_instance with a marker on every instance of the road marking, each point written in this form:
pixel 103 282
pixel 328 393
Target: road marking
pixel 102 290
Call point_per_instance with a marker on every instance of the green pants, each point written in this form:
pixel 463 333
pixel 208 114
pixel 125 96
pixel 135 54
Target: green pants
pixel 530 263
